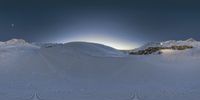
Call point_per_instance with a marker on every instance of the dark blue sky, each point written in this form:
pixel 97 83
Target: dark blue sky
pixel 118 23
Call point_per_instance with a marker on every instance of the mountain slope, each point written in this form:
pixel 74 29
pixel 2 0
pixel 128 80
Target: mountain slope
pixel 91 49
pixel 167 47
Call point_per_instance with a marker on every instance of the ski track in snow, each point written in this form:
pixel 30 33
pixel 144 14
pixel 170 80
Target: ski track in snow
pixel 48 64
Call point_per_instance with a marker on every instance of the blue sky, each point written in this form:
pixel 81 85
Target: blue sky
pixel 122 24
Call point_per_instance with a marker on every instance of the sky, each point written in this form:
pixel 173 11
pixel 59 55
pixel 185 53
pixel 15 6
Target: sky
pixel 122 24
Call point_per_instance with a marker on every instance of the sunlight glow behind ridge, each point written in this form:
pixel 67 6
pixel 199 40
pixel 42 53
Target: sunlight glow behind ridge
pixel 102 39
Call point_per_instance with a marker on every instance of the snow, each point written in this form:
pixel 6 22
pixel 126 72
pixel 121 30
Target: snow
pixel 150 44
pixel 16 43
pixel 178 43
pixel 168 51
pixel 88 71
pixel 94 49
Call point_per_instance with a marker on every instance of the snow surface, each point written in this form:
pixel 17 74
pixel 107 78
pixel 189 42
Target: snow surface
pixel 88 71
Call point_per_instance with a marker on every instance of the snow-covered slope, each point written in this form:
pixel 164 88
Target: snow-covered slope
pixel 171 47
pixel 84 48
pixel 87 71
pixel 16 43
pixel 190 42
pixel 93 49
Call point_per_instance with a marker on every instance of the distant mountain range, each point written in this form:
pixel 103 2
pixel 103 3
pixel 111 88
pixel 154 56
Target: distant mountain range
pixel 157 47
pixel 95 49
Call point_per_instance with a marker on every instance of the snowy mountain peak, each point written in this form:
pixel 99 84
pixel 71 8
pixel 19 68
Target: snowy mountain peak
pixel 169 43
pixel 16 41
pixel 191 40
pixel 188 42
pixel 152 47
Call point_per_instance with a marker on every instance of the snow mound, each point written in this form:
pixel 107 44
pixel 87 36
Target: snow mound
pixel 75 48
pixel 84 48
pixel 93 49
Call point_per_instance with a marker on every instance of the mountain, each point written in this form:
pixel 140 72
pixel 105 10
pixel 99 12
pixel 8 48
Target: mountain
pixel 160 47
pixel 91 49
pixel 189 42
pixel 14 42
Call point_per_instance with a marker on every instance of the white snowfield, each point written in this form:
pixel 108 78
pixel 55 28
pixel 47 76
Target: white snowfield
pixel 88 71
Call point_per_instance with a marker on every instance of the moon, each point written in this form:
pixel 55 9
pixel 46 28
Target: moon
pixel 12 25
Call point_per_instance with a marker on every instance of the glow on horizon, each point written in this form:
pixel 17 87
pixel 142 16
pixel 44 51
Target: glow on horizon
pixel 102 39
